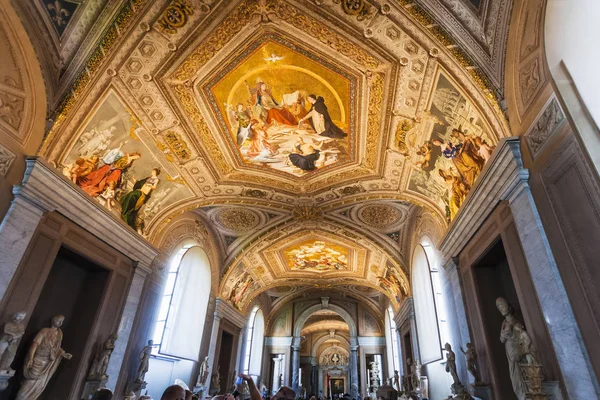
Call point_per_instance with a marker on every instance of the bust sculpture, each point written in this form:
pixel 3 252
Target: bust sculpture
pixel 42 360
pixel 203 373
pixel 520 351
pixel 101 359
pixel 9 341
pixel 144 361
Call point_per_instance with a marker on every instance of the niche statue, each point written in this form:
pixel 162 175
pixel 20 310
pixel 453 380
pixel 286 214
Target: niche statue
pixel 524 367
pixel 43 358
pixel 101 359
pixel 471 356
pixel 9 341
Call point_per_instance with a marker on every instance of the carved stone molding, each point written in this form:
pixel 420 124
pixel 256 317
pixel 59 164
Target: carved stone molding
pixel 6 159
pixel 544 126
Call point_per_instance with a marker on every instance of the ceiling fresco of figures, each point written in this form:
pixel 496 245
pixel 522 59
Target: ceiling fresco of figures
pixel 308 138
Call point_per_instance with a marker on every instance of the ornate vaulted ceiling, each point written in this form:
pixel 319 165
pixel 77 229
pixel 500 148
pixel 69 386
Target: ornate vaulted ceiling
pixel 203 107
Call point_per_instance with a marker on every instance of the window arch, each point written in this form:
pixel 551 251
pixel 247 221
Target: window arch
pixel 182 313
pixel 255 336
pixel 430 311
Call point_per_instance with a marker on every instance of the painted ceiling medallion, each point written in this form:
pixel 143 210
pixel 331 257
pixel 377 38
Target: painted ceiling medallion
pixel 380 216
pixel 283 108
pixel 316 256
pixel 236 220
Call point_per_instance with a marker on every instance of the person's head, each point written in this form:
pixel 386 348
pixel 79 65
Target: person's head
pixel 312 99
pixel 102 394
pixel 240 107
pixel 155 172
pixel 58 320
pixel 112 184
pixel 447 347
pixel 262 86
pixel 18 317
pixel 284 393
pixel 174 392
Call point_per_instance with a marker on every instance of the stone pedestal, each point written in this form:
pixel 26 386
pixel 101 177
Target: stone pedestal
pixel 482 391
pixel 200 391
pixel 552 388
pixel 92 386
pixel 136 387
pixel 4 377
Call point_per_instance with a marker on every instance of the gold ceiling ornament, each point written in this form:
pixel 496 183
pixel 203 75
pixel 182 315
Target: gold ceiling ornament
pixel 374 118
pixel 112 34
pixel 307 213
pixel 359 8
pixel 174 16
pixel 178 145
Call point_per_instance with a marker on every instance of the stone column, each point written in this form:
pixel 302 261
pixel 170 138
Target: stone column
pixel 126 325
pixel 16 232
pixel 212 348
pixel 296 364
pixel 314 383
pixel 354 368
pixel 552 296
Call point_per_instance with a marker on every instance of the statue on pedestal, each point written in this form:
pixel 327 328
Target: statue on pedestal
pixel 524 368
pixel 458 390
pixel 9 341
pixel 215 383
pixel 203 373
pixel 374 376
pixel 101 359
pixel 144 361
pixel 42 360
pixel 397 380
pixel 471 355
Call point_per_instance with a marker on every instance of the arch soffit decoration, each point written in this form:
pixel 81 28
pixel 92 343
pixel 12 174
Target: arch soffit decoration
pixel 302 318
pixel 317 344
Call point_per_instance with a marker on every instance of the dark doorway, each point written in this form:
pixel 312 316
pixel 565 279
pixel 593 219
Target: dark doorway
pixel 407 350
pixel 225 362
pixel 337 387
pixel 494 279
pixel 74 288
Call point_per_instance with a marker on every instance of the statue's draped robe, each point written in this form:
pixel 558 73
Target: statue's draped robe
pixel 509 336
pixel 46 355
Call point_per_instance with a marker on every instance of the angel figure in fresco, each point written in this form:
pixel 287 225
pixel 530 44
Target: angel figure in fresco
pixel 132 202
pixel 425 152
pixel 485 150
pixel 390 282
pixel 320 119
pixel 270 110
pixel 239 290
pixel 305 155
pixel 240 119
pixel 112 171
pixel 457 188
pixel 259 145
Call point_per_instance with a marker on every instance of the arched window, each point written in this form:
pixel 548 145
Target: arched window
pixel 255 336
pixel 182 313
pixel 392 342
pixel 430 311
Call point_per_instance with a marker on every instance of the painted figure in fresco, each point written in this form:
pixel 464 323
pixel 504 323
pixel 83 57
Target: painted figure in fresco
pixel 457 188
pixel 485 150
pixel 42 360
pixel 132 202
pixel 109 195
pixel 464 155
pixel 96 181
pixel 239 290
pixel 271 110
pixel 305 155
pixel 82 167
pixel 425 152
pixel 259 145
pixel 320 119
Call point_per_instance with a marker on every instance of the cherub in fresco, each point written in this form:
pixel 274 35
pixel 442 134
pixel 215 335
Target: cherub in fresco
pixel 109 195
pixel 485 150
pixel 425 152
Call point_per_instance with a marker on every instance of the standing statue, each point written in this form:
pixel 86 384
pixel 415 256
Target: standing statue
pixel 9 341
pixel 520 352
pixel 415 376
pixel 203 373
pixel 471 355
pixel 216 379
pixel 451 364
pixel 374 376
pixel 280 381
pixel 42 360
pixel 101 359
pixel 144 361
pixel 397 380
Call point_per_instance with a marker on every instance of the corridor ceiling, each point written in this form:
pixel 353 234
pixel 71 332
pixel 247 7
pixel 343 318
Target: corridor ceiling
pixel 179 82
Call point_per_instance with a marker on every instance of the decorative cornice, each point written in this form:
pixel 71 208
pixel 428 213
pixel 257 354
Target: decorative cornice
pixel 224 310
pixel 284 341
pixel 371 341
pixel 502 178
pixel 406 312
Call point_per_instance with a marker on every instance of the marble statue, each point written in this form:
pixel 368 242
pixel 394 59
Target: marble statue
pixel 101 359
pixel 522 356
pixel 280 381
pixel 42 360
pixel 9 341
pixel 216 379
pixel 397 380
pixel 144 362
pixel 451 363
pixel 471 355
pixel 203 373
